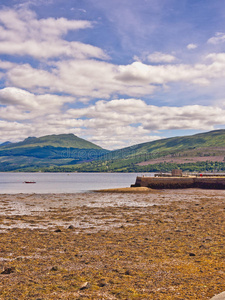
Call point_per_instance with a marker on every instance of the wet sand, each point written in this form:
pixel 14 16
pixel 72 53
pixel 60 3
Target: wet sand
pixel 141 189
pixel 161 245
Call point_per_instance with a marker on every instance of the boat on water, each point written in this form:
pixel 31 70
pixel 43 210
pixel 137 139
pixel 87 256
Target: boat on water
pixel 29 182
pixel 177 180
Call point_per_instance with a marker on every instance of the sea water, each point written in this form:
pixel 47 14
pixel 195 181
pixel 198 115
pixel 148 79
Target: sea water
pixel 14 183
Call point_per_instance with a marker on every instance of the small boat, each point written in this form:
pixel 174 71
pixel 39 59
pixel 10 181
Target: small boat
pixel 29 181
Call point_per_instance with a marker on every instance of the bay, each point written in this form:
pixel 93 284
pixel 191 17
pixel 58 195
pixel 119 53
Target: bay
pixel 14 183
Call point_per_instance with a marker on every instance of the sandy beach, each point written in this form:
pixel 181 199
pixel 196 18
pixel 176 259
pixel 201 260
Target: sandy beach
pixel 162 245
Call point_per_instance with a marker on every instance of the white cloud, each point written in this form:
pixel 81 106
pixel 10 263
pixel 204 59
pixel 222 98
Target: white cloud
pixel 48 49
pixel 217 58
pixel 21 33
pixel 191 46
pixel 31 104
pixel 6 65
pixel 126 112
pixel 114 124
pixel 18 104
pixel 90 79
pixel 217 39
pixel 12 130
pixel 84 79
pixel 159 57
pixel 163 74
pixel 15 96
pixel 135 119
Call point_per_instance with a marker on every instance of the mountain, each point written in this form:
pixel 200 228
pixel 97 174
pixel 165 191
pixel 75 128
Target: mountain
pixel 69 153
pixel 33 153
pixel 173 145
pixel 199 152
pixel 61 140
pixel 5 143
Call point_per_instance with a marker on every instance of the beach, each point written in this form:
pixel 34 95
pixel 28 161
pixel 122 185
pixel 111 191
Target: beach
pixel 165 244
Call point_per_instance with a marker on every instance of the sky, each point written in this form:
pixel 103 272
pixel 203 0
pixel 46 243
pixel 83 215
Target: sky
pixel 116 73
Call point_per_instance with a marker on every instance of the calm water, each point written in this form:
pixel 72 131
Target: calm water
pixel 13 183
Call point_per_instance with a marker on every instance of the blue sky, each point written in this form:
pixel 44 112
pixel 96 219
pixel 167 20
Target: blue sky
pixel 116 72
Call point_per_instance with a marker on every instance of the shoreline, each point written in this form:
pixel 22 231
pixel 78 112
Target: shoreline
pixel 166 245
pixel 141 189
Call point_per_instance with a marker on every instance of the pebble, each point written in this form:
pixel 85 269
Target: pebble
pixel 102 282
pixel 55 268
pixel 84 286
pixel 128 272
pixel 9 270
pixel 71 227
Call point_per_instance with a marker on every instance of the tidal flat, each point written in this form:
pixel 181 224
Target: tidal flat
pixel 166 244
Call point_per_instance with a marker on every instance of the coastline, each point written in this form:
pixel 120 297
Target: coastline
pixel 132 247
pixel 141 189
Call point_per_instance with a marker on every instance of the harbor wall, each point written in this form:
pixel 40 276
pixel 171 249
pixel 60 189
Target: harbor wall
pixel 180 182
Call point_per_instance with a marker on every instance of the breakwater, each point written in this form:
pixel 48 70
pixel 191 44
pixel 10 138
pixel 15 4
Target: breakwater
pixel 180 182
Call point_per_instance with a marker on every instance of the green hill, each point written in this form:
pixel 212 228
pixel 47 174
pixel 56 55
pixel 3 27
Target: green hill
pixel 33 153
pixel 61 140
pixel 204 152
pixel 69 153
pixel 163 147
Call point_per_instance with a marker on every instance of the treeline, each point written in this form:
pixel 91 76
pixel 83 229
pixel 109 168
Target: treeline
pixel 129 166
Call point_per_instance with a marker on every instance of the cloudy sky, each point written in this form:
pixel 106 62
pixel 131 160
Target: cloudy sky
pixel 116 73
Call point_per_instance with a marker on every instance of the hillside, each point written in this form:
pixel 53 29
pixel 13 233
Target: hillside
pixel 173 145
pixel 199 152
pixel 69 153
pixel 61 140
pixel 33 153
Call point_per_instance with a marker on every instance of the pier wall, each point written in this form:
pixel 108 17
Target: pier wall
pixel 180 182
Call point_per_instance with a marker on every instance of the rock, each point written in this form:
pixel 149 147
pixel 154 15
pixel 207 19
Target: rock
pixel 71 227
pixel 84 286
pixel 9 270
pixel 128 272
pixel 58 230
pixel 191 254
pixel 55 268
pixel 102 282
pixel 220 296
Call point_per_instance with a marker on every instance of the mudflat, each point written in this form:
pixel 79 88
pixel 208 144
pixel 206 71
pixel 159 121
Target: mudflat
pixel 141 189
pixel 162 245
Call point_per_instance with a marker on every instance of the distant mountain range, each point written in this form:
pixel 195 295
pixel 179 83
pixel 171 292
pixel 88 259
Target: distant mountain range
pixel 69 153
pixel 34 154
pixel 199 152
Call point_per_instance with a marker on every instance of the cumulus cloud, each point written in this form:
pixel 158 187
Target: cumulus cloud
pixel 111 124
pixel 135 119
pixel 18 104
pixel 37 99
pixel 21 33
pixel 84 79
pixel 132 111
pixel 217 58
pixel 4 65
pixel 159 57
pixel 163 74
pixel 191 46
pixel 15 96
pixel 90 79
pixel 217 39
